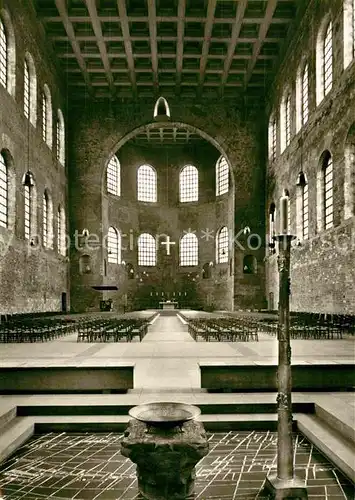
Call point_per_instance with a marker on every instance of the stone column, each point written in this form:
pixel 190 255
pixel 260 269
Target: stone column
pixel 165 459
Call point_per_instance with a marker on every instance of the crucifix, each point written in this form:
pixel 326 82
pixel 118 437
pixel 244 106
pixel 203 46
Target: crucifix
pixel 167 242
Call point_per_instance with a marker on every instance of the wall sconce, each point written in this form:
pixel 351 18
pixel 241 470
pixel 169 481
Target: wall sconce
pixel 123 263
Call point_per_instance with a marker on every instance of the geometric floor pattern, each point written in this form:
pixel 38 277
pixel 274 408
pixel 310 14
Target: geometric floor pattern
pixel 89 466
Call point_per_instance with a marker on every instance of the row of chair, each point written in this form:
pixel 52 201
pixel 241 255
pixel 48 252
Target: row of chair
pixel 35 330
pixel 224 329
pixel 112 329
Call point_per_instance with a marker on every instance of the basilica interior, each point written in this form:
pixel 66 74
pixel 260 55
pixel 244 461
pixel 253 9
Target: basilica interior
pixel 177 225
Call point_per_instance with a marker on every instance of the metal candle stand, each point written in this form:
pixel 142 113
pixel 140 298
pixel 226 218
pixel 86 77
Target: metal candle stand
pixel 284 484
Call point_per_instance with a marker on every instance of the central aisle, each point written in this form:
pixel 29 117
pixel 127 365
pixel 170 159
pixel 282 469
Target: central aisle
pixel 167 369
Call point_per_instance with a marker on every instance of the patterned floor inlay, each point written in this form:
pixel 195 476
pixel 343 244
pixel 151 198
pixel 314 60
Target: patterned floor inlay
pixel 89 466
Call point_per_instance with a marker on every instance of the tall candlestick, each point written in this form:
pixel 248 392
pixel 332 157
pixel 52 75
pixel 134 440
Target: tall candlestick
pixel 284 215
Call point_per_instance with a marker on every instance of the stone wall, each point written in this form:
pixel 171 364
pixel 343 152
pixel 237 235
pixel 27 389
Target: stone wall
pixel 101 130
pixel 322 267
pixel 32 278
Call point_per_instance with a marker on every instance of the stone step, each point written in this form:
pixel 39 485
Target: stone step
pixel 338 417
pixel 7 413
pixel 331 443
pixel 14 434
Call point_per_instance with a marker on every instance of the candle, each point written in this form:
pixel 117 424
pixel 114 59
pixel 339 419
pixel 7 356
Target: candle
pixel 284 214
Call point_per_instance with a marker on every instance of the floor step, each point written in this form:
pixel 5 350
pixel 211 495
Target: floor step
pixel 7 413
pixel 330 442
pixel 100 423
pixel 338 417
pixel 14 434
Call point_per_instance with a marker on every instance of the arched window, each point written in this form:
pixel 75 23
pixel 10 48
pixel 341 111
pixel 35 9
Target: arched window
pixel 146 250
pixel 30 205
pixel 302 207
pixel 45 220
pixel 349 175
pixel 222 176
pixel 7 53
pixel 114 246
pixel 30 89
pixel 4 192
pixel 222 245
pixel 325 215
pixel 146 184
pixel 324 65
pixel 285 121
pixel 272 138
pixel 60 136
pixel 61 231
pixel 189 250
pixel 3 55
pixel 161 108
pixel 113 176
pixel 302 95
pixel 47 133
pixel 189 184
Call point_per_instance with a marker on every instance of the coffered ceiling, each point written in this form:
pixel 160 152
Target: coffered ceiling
pixel 196 49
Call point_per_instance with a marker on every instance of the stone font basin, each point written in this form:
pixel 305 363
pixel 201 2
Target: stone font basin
pixel 164 414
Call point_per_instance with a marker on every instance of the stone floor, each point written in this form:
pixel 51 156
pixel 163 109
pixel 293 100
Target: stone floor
pixel 90 466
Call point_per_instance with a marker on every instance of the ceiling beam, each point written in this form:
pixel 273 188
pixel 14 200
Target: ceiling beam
pixel 180 43
pixel 263 29
pixel 207 40
pixel 62 9
pixel 96 26
pixel 152 20
pixel 242 5
pixel 121 5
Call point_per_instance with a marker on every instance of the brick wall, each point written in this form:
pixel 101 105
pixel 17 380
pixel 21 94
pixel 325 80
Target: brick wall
pixel 32 278
pixel 322 269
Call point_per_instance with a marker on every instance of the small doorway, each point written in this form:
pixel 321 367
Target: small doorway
pixel 64 302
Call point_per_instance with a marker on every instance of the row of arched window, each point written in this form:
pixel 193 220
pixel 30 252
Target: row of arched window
pixel 324 72
pixel 147 181
pixel 7 197
pixel 325 197
pixel 30 108
pixel 147 248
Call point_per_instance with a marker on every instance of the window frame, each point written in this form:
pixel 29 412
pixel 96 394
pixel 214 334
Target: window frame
pixel 222 243
pixel 222 176
pixel 147 253
pixel 188 184
pixel 146 184
pixel 113 176
pixel 188 250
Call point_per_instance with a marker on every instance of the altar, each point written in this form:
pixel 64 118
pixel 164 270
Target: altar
pixel 168 305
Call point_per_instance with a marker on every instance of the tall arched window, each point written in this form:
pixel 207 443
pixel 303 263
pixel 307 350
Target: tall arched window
pixel 349 32
pixel 4 192
pixel 189 184
pixel 324 74
pixel 302 95
pixel 30 89
pixel 146 184
pixel 189 250
pixel 222 245
pixel 113 176
pixel 114 246
pixel 285 121
pixel 222 176
pixel 61 231
pixel 272 138
pixel 302 207
pixel 30 205
pixel 325 213
pixel 45 219
pixel 146 250
pixel 7 53
pixel 60 136
pixel 47 133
